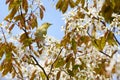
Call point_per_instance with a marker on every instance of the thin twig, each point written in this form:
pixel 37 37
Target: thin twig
pixel 3 35
pixel 116 39
pixel 97 44
pixel 105 54
pixel 40 66
pixel 55 61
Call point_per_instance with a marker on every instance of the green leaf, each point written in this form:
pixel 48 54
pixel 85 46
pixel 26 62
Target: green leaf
pixel 67 65
pixel 99 43
pixel 60 62
pixel 85 39
pixel 110 39
pixel 107 11
pixel 83 3
pixel 75 67
pixel 102 42
pixel 42 75
pixel 70 72
pixel 2 49
pixel 74 45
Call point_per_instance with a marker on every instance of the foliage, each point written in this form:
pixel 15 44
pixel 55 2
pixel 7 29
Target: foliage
pixel 87 51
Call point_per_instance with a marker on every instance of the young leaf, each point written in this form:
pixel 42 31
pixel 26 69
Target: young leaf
pixel 33 75
pixel 5 71
pixel 74 46
pixel 60 62
pixel 65 6
pixel 59 4
pixel 41 14
pixel 110 39
pixel 72 4
pixel 77 2
pixel 12 14
pixel 11 27
pixel 42 7
pixel 102 42
pixel 25 5
pixel 58 75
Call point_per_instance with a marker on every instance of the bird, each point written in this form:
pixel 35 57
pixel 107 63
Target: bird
pixel 41 33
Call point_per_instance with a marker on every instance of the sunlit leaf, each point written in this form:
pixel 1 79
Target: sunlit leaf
pixel 85 39
pixel 110 39
pixel 19 17
pixel 59 4
pixel 60 62
pixel 80 14
pixel 107 11
pixel 102 42
pixel 77 2
pixel 33 21
pixel 11 14
pixel 82 2
pixel 74 46
pixel 2 49
pixel 5 71
pixel 33 75
pixel 42 75
pixel 65 6
pixel 25 5
pixel 14 4
pixel 72 3
pixel 11 27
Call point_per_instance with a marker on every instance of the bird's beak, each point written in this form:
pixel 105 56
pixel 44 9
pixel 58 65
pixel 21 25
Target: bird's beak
pixel 50 24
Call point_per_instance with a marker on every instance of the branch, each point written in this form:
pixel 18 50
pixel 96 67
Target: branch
pixel 55 61
pixel 40 66
pixel 116 39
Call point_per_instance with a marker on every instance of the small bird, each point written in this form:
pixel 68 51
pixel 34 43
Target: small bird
pixel 41 32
